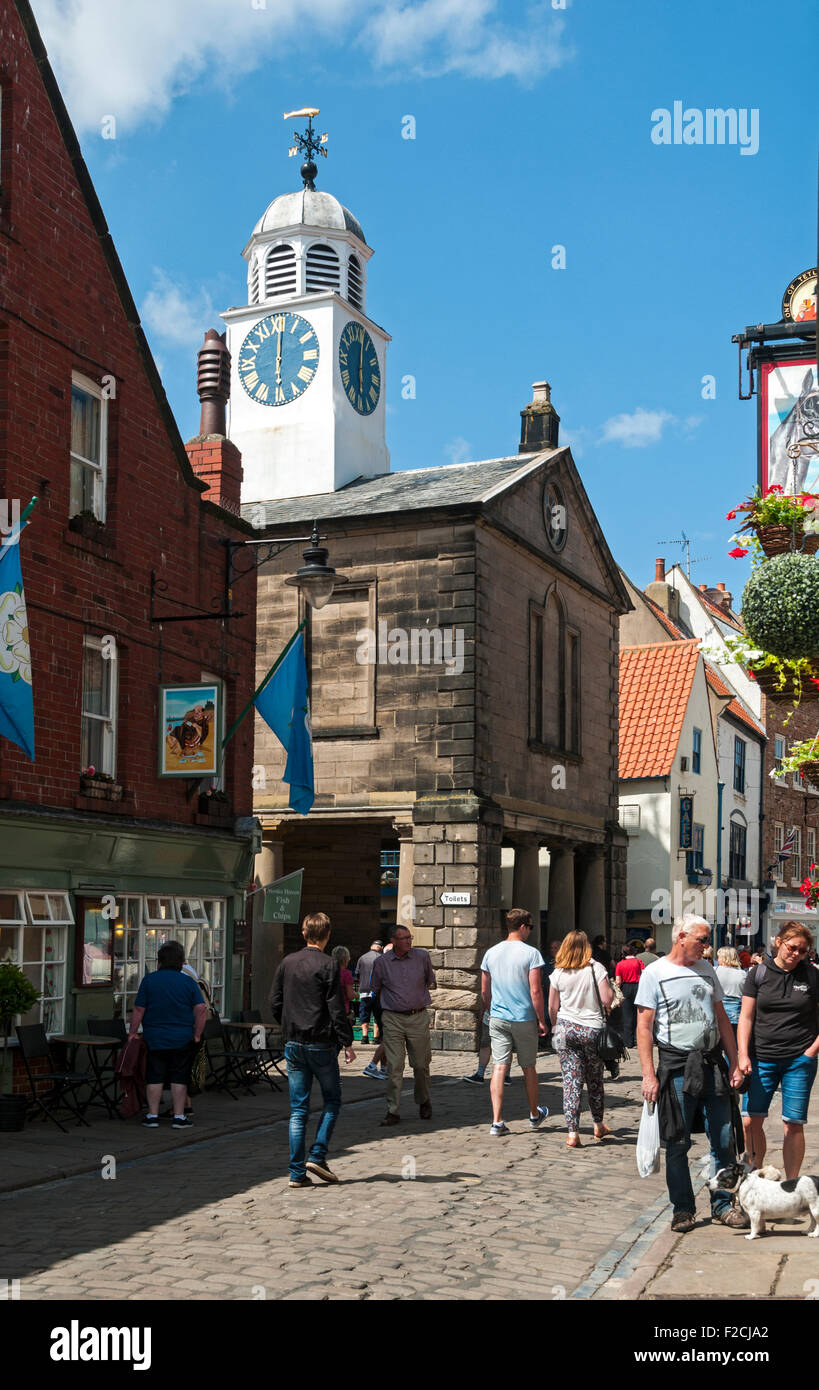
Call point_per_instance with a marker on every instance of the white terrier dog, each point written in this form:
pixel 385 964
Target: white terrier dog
pixel 763 1196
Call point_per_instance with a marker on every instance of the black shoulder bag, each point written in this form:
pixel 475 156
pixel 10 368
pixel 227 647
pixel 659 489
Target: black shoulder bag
pixel 610 1045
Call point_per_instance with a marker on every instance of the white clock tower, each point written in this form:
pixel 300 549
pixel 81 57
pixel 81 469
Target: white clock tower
pixel 307 365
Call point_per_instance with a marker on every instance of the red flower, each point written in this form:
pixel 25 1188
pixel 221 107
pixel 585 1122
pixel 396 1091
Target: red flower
pixel 737 552
pixel 775 487
pixel 731 516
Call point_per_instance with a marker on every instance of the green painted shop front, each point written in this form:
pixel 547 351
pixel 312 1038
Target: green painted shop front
pixel 85 905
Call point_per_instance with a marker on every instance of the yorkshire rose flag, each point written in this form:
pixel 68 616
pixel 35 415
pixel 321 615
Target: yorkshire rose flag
pixel 16 692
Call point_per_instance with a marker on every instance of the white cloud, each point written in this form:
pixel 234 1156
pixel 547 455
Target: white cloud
pixel 635 431
pixel 132 60
pixel 176 315
pixel 458 450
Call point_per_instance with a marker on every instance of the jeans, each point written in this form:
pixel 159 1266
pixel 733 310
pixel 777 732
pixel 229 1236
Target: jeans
pixel 720 1133
pixel 795 1076
pixel 304 1062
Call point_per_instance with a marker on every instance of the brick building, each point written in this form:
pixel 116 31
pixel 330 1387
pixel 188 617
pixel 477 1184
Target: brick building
pixel 96 870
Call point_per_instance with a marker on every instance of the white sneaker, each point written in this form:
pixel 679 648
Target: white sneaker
pixel 497 1131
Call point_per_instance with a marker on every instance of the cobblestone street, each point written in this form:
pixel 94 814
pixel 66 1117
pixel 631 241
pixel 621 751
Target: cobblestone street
pixel 433 1210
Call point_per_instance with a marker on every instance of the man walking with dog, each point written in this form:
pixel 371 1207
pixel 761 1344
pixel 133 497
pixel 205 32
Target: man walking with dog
pixel 679 1008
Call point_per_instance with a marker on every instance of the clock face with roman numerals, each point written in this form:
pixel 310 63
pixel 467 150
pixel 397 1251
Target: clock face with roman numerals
pixel 278 359
pixel 358 364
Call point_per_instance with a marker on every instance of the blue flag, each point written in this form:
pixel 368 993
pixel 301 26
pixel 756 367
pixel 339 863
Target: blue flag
pixel 285 706
pixel 16 693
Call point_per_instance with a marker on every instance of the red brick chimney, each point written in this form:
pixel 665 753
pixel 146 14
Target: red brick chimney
pixel 213 457
pixel 662 593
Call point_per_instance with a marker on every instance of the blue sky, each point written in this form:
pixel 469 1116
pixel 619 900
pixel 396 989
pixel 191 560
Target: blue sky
pixel 533 129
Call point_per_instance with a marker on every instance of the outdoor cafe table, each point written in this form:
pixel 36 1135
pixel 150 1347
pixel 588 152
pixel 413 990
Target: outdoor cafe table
pixel 95 1045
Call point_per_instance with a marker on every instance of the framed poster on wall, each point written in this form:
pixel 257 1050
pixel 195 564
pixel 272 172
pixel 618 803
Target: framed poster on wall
pixel 190 720
pixel 789 424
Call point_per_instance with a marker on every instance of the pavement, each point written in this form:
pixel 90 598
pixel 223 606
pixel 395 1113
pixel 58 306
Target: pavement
pixel 428 1210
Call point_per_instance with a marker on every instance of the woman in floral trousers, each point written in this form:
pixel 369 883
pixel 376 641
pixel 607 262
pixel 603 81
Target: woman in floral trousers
pixel 577 1017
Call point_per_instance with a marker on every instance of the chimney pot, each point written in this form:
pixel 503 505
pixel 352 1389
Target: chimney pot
pixel 213 383
pixel 659 570
pixel 703 588
pixel 721 585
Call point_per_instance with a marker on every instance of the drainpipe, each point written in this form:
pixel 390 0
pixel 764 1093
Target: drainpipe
pixel 720 790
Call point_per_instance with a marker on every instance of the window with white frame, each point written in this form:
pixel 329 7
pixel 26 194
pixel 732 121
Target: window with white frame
pixel 779 757
pixel 89 448
pixel 33 935
pixel 99 709
pixel 796 857
pixel 146 923
pixel 810 849
pixel 779 840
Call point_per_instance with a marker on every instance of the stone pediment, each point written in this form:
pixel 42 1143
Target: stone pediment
pixel 516 506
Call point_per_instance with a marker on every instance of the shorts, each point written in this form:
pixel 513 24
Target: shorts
pixel 171 1067
pixel 507 1036
pixel 796 1076
pixel 365 1008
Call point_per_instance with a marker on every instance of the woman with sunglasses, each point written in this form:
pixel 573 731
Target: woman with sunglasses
pixel 777 1042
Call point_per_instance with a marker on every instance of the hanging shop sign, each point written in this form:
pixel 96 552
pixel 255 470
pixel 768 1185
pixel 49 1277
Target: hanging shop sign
pixel 686 822
pixel 799 299
pixel 282 899
pixel 190 720
pixel 789 423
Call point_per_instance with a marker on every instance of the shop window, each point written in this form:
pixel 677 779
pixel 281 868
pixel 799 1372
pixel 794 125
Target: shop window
pixel 89 448
pixel 94 956
pixel 159 910
pixel 190 910
pixel 33 935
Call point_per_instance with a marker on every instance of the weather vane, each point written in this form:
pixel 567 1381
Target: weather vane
pixel 308 145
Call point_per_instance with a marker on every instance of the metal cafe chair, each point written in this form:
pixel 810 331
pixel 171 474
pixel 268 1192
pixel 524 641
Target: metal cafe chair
pixel 226 1068
pixel 272 1055
pixel 61 1093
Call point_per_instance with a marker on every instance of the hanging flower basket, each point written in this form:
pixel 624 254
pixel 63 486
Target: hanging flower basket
pixel 809 887
pixel 783 683
pixel 780 607
pixel 802 759
pixel 779 540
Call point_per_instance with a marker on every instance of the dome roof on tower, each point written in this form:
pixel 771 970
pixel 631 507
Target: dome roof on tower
pixel 310 209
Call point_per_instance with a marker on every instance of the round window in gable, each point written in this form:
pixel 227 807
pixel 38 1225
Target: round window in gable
pixel 555 517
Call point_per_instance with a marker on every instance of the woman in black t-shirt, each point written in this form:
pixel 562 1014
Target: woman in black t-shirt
pixel 778 1042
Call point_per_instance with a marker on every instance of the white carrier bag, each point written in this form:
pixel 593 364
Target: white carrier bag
pixel 648 1140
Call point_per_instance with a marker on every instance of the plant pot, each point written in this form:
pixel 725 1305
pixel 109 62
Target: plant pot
pixel 219 810
pixel 12 1113
pixel 100 788
pixel 88 527
pixel 778 540
pixel 767 678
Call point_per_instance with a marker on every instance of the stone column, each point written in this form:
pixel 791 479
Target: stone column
pixel 405 908
pixel 457 849
pixel 592 911
pixel 526 886
pixel 561 891
pixel 267 942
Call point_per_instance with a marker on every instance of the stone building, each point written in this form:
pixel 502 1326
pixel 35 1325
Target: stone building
pixel 464 678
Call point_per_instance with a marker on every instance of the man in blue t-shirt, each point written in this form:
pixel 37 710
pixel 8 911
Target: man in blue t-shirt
pixel 512 989
pixel 172 1012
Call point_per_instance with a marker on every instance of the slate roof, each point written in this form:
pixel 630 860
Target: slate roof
pixel 736 707
pixel 655 687
pixel 448 485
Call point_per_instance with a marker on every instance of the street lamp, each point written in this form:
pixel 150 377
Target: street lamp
pixel 316 580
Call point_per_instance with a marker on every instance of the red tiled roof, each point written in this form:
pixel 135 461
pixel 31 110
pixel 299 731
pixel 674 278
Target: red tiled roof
pixel 718 684
pixel 655 687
